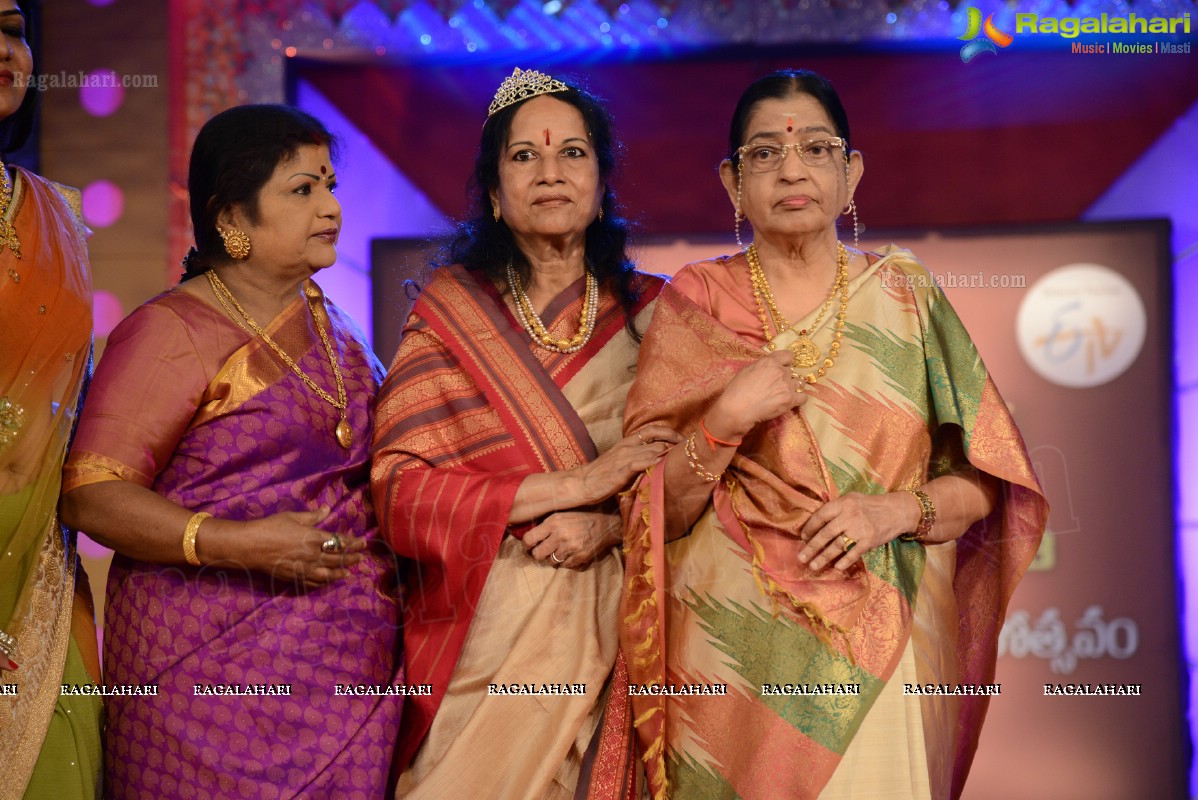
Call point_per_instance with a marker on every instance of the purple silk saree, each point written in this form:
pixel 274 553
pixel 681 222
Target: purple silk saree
pixel 188 404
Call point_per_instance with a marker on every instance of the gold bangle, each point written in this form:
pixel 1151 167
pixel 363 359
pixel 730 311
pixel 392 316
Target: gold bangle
pixel 8 645
pixel 692 458
pixel 927 518
pixel 189 538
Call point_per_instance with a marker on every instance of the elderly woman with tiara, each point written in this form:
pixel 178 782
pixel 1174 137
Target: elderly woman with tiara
pixel 497 458
pixel 850 511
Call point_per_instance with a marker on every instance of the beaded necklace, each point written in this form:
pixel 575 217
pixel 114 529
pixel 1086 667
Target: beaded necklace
pixel 536 328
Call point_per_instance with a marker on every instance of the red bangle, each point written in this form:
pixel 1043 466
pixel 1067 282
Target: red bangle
pixel 711 440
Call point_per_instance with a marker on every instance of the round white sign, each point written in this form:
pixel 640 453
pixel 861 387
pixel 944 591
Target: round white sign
pixel 1081 325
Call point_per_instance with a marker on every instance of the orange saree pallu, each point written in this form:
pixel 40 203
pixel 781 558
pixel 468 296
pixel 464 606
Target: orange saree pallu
pixel 45 604
pixel 469 409
pixel 753 676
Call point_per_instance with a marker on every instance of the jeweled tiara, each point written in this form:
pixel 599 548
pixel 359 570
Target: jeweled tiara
pixel 521 85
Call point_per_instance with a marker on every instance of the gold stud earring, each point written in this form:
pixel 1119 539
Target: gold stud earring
pixel 237 243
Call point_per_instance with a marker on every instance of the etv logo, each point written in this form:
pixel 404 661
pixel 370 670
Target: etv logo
pixel 982 45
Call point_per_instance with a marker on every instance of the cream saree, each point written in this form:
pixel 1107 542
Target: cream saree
pixel 470 408
pixel 730 605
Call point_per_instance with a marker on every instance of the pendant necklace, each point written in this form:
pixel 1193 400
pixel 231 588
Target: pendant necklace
pixel 343 432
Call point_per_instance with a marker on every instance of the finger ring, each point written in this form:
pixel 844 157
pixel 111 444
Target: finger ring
pixel 333 544
pixel 553 555
pixel 642 438
pixel 849 543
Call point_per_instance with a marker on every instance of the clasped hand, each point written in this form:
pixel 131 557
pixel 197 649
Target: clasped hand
pixel 866 520
pixel 760 391
pixel 573 539
pixel 287 546
pixel 615 469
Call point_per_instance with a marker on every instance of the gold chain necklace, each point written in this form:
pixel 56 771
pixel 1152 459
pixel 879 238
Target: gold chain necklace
pixel 343 432
pixel 806 354
pixel 536 328
pixel 8 231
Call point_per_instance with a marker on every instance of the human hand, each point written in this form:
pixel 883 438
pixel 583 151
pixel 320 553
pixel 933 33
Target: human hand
pixel 8 647
pixel 632 455
pixel 858 522
pixel 573 539
pixel 286 546
pixel 760 391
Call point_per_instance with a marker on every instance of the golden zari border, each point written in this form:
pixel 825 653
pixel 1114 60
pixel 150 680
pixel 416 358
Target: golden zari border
pixel 25 720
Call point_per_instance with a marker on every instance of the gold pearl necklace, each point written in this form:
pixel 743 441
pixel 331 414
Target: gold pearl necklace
pixel 8 231
pixel 536 328
pixel 343 432
pixel 806 354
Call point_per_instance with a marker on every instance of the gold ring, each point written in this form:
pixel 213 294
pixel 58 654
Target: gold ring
pixel 642 439
pixel 553 555
pixel 849 543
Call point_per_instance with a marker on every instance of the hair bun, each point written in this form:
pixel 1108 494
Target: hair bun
pixel 193 265
pixel 191 260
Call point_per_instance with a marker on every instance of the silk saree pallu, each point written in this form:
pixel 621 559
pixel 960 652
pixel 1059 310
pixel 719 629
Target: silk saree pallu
pixel 45 342
pixel 186 403
pixel 472 407
pixel 813 662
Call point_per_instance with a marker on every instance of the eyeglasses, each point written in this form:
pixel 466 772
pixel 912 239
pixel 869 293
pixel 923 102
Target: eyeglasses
pixel 813 153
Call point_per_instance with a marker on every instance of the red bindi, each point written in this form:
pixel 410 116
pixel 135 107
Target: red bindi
pixel 547 142
pixel 323 169
pixel 790 124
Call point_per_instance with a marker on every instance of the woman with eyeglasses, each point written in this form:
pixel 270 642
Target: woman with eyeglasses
pixel 849 512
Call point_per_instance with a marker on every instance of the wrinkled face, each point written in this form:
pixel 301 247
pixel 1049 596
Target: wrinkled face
pixel 548 172
pixel 298 216
pixel 795 199
pixel 16 62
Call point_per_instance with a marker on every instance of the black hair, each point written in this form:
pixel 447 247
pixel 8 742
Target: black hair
pixel 234 155
pixel 485 245
pixel 15 128
pixel 779 85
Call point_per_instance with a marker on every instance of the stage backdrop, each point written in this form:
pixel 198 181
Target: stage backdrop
pixel 1073 322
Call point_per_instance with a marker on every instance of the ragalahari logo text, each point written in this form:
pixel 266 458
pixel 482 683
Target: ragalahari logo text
pixel 976 44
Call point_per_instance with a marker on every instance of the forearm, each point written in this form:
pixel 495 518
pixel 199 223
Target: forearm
pixel 687 493
pixel 543 493
pixel 141 524
pixel 961 499
pixel 841 530
pixel 594 482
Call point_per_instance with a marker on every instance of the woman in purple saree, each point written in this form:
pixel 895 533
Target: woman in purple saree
pixel 227 463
